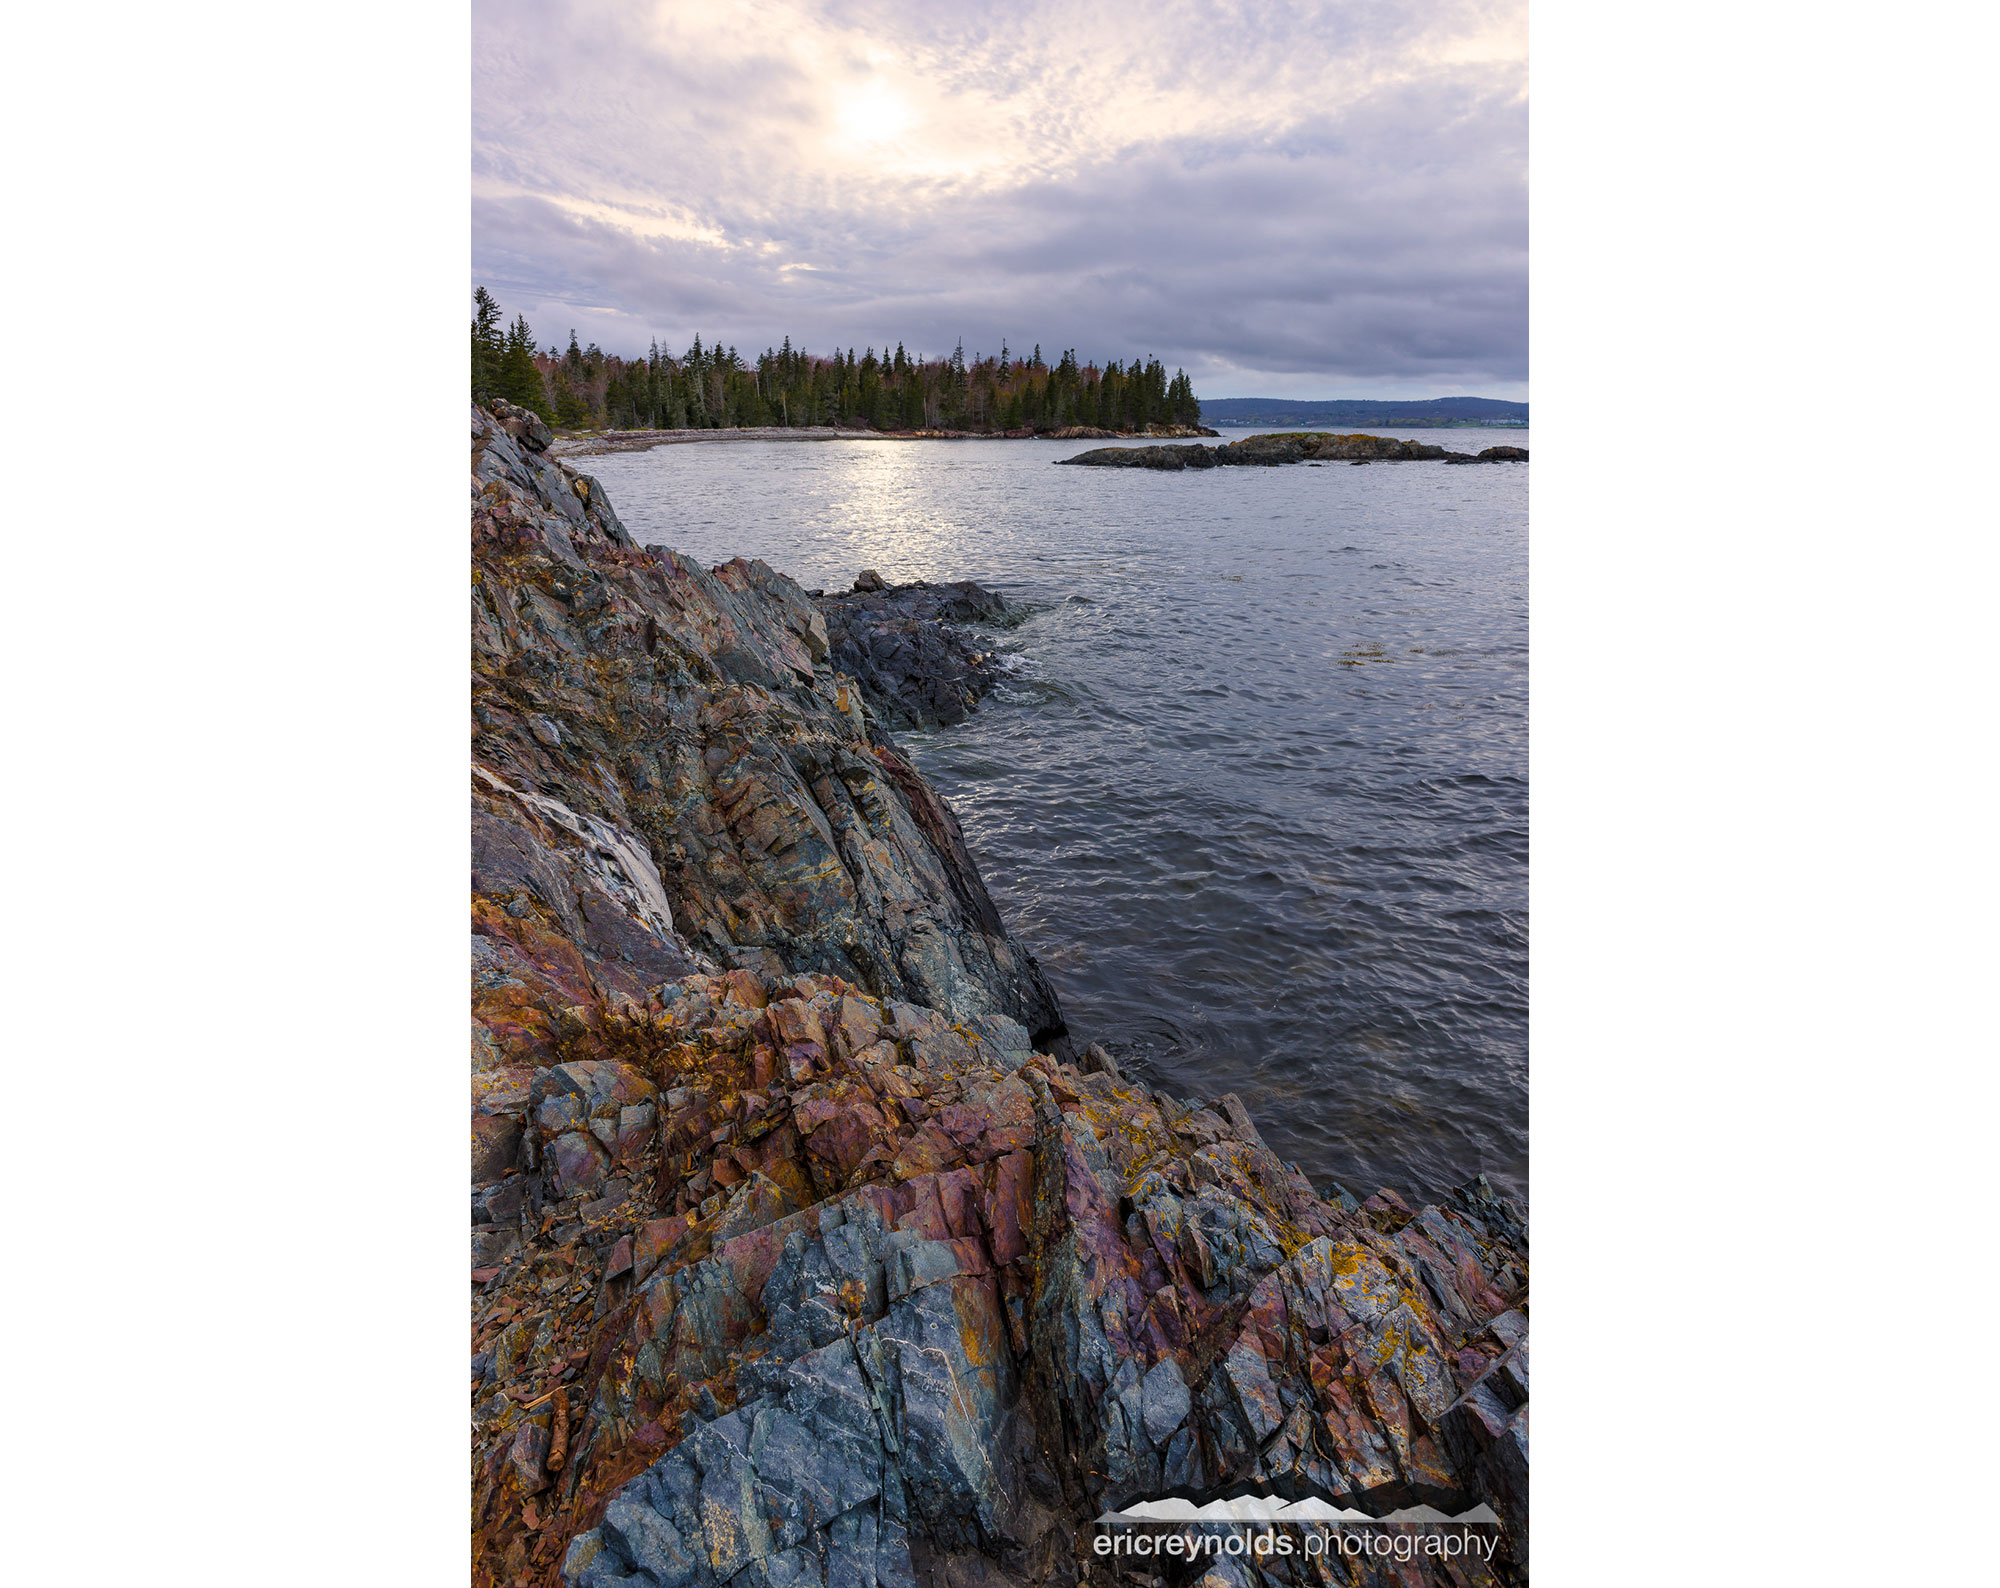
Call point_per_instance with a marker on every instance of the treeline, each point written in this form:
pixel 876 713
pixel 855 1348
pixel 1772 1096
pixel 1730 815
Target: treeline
pixel 585 388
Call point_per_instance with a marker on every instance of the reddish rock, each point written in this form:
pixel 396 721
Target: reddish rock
pixel 745 989
pixel 1006 1209
pixel 529 1456
pixel 578 1162
pixel 496 1146
pixel 856 1023
pixel 1057 1291
pixel 930 1151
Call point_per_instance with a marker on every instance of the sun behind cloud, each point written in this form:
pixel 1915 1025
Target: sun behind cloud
pixel 1330 192
pixel 873 112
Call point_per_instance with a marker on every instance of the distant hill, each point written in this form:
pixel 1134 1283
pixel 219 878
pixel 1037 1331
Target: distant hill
pixel 1437 411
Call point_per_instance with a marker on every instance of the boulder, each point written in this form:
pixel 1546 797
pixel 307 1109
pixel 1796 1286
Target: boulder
pixel 523 424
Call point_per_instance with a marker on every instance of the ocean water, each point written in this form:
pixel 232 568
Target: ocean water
pixel 1256 790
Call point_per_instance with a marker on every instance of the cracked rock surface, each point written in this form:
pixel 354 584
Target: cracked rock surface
pixel 802 1255
pixel 652 739
pixel 909 648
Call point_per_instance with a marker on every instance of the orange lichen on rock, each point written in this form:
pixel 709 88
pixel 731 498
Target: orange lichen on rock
pixel 801 1246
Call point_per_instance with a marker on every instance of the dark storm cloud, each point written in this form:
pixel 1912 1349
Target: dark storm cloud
pixel 665 180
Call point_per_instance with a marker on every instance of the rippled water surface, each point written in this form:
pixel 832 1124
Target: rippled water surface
pixel 1256 795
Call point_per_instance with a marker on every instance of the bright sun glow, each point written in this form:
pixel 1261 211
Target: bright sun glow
pixel 873 113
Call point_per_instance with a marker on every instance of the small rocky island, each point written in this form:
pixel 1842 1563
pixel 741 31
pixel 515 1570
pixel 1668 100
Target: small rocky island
pixel 810 1247
pixel 1298 446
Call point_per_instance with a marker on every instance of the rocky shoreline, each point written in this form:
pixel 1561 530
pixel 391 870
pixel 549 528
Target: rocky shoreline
pixel 1306 446
pixel 810 1248
pixel 599 443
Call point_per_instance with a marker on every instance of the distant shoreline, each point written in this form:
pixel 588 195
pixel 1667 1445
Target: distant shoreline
pixel 599 443
pixel 1366 413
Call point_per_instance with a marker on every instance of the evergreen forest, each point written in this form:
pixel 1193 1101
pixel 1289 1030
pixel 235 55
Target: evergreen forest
pixel 713 387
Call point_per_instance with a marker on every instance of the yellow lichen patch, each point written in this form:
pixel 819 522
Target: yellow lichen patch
pixel 1347 1260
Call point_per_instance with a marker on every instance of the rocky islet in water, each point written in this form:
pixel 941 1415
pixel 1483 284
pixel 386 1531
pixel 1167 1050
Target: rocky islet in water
pixel 807 1248
pixel 1310 446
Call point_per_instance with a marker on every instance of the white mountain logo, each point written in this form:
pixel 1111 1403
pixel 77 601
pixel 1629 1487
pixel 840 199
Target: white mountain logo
pixel 1269 1508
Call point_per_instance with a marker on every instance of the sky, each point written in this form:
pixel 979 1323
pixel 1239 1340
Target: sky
pixel 1286 200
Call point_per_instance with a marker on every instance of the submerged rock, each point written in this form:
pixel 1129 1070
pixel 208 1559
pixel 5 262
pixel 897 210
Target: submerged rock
pixel 1293 447
pixel 802 1256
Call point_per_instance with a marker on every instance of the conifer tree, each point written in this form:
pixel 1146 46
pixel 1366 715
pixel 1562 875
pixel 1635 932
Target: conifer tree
pixel 520 381
pixel 572 412
pixel 712 385
pixel 488 345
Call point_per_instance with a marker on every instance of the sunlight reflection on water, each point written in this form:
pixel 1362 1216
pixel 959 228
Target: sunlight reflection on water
pixel 1256 790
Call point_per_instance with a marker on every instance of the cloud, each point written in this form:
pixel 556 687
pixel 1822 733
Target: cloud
pixel 1303 199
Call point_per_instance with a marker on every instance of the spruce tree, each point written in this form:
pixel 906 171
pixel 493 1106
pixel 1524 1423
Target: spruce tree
pixel 488 345
pixel 572 412
pixel 519 380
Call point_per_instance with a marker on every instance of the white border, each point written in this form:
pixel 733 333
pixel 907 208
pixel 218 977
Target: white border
pixel 1763 852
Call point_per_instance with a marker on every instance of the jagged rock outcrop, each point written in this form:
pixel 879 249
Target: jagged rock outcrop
pixel 1296 447
pixel 906 645
pixel 822 1268
pixel 669 774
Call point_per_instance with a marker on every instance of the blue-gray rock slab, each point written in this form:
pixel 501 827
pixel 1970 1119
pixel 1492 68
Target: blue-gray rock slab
pixel 818 1451
pixel 945 1348
pixel 1164 1400
pixel 909 1413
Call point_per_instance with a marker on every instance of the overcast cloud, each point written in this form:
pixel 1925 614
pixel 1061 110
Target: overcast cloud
pixel 1285 199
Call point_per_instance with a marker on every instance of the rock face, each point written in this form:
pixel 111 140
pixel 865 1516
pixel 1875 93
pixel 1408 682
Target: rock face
pixel 904 644
pixel 668 774
pixel 798 1258
pixel 1297 447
